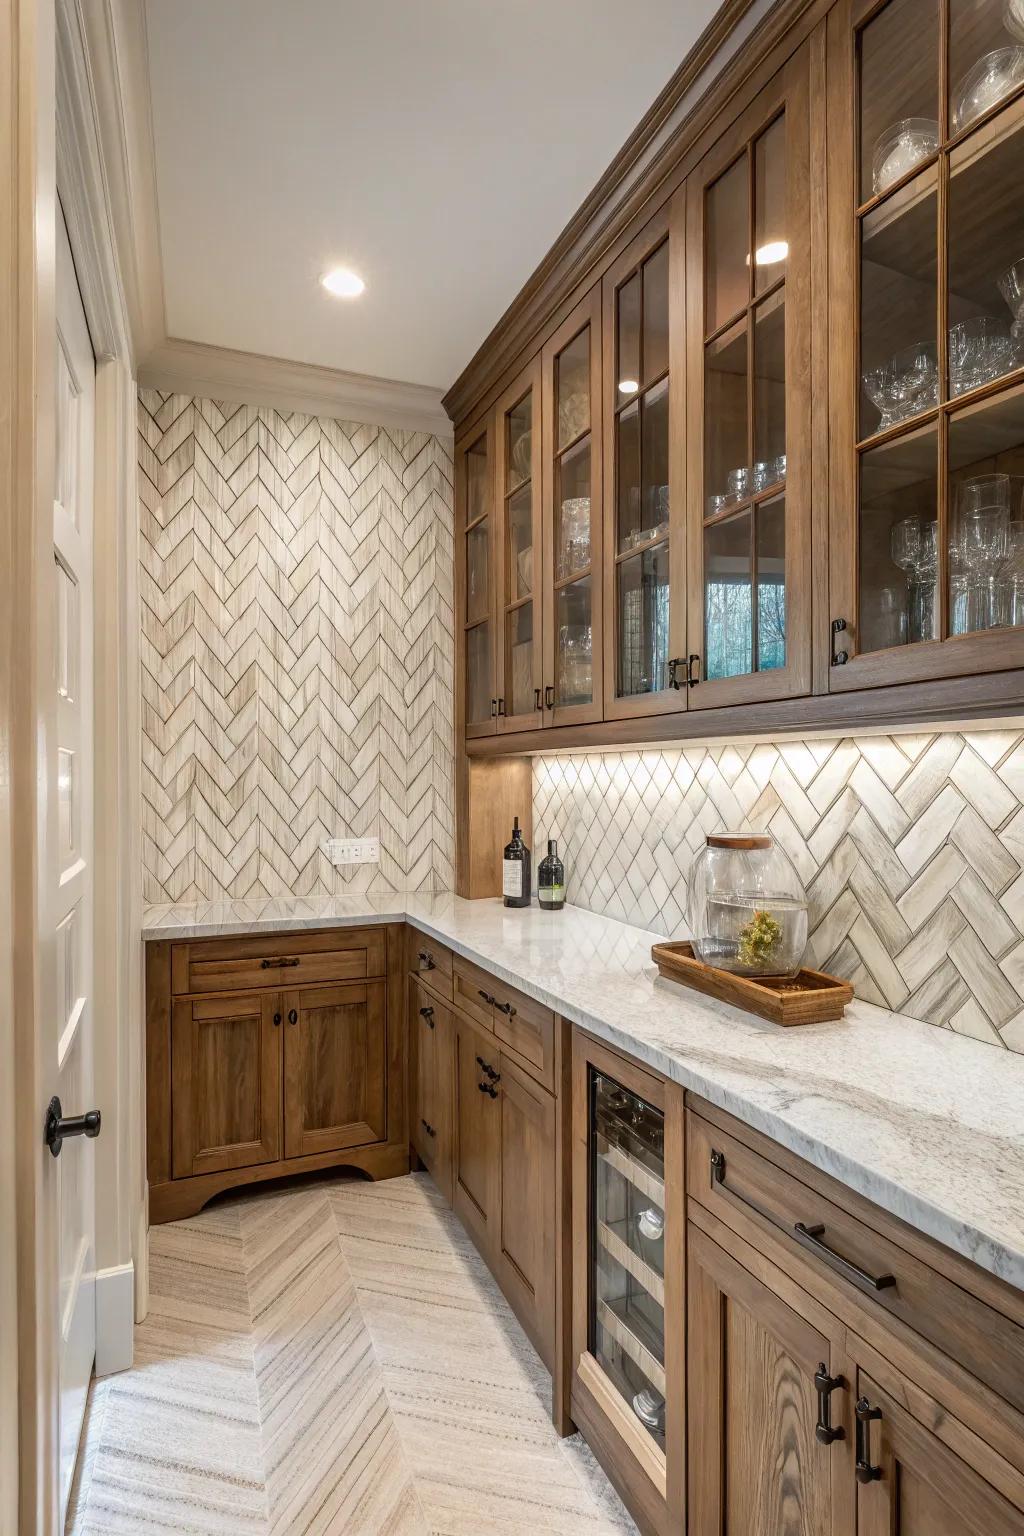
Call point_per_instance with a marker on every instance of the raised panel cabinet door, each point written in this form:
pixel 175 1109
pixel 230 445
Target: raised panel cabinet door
pixel 749 418
pixel 430 1085
pixel 757 1466
pixel 335 1063
pixel 909 1483
pixel 477 1118
pixel 526 1229
pixel 225 1083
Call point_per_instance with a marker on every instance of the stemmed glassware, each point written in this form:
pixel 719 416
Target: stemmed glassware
pixel 978 551
pixel 914 547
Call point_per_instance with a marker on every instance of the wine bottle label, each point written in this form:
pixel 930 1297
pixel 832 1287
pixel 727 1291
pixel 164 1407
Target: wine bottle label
pixel 547 895
pixel 511 877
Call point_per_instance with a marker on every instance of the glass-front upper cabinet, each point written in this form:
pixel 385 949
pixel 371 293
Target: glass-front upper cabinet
pixel 519 564
pixel 927 340
pixel 573 593
pixel 474 489
pixel 748 403
pixel 644 629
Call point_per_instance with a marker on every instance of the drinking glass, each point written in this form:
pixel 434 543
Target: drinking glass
pixel 980 349
pixel 914 548
pixel 915 379
pixel 1011 286
pixel 980 541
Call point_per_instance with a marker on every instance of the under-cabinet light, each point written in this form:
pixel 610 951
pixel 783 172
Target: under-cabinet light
pixel 343 283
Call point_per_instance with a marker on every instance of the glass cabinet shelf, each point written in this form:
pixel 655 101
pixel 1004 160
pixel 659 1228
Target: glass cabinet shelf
pixel 627 1247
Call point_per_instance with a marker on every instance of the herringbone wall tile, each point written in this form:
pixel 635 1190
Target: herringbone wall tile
pixel 297 651
pixel 911 848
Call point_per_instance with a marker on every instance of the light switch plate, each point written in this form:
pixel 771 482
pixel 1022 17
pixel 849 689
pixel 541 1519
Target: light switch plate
pixel 352 850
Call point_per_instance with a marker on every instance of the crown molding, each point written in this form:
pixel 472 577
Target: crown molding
pixel 221 373
pixel 728 52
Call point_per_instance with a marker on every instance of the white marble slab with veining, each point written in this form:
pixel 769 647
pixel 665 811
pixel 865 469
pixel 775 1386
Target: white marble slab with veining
pixel 926 1123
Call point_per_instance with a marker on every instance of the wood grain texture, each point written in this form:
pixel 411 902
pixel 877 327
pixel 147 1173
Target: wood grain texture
pixel 488 796
pixel 430 1084
pixel 811 997
pixel 526 1231
pixel 158 1062
pixel 477 1127
pixel 270 960
pixel 226 1083
pixel 335 1067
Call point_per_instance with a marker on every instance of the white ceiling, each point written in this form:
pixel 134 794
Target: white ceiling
pixel 438 147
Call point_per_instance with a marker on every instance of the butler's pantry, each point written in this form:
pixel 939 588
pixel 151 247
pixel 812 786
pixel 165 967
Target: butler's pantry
pixel 512 768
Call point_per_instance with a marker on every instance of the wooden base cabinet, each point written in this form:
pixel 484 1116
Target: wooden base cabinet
pixel 269 1055
pixel 628 1390
pixel 430 1084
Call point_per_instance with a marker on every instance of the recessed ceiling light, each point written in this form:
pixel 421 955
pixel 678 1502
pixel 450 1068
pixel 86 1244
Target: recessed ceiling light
pixel 768 255
pixel 628 386
pixel 343 283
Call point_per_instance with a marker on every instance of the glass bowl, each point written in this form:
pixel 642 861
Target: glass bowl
pixel 1011 286
pixel 748 907
pixel 915 379
pixel 1013 19
pixel 900 148
pixel 994 76
pixel 980 348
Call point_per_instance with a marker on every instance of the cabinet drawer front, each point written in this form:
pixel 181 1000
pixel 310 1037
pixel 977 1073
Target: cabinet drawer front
pixel 431 962
pixel 473 992
pixel 527 1028
pixel 277 960
pixel 738 1185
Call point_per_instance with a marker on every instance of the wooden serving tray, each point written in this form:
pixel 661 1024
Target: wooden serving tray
pixel 809 997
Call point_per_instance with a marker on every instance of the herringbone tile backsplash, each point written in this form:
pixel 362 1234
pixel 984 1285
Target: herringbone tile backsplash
pixel 297 651
pixel 911 847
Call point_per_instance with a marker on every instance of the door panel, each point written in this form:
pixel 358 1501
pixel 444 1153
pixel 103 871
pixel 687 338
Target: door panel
pixel 335 1053
pixel 476 589
pixel 520 659
pixel 756 1466
pixel 526 1234
pixel 918 1486
pixel 69 909
pixel 225 1083
pixel 430 1084
pixel 477 1133
pixel 749 426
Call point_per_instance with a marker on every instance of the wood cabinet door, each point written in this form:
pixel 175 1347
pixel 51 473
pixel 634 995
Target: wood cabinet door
pixel 916 1485
pixel 225 1083
pixel 526 1226
pixel 926 388
pixel 644 473
pixel 573 573
pixel 335 1055
pixel 748 289
pixel 519 553
pixel 477 1121
pixel 430 1084
pixel 756 1466
pixel 475 590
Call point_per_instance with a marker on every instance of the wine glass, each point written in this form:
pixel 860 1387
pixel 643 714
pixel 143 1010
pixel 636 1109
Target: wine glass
pixel 983 518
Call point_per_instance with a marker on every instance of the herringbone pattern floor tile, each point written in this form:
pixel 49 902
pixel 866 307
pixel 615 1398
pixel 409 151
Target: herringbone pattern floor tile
pixel 297 651
pixel 911 848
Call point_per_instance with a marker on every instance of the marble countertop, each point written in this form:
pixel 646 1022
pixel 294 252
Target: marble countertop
pixel 927 1124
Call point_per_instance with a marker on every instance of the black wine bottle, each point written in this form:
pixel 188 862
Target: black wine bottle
pixel 551 880
pixel 515 870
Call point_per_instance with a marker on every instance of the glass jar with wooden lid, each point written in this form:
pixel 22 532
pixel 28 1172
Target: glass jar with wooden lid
pixel 748 906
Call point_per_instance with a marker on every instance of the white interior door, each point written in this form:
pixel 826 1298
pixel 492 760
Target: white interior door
pixel 69 1042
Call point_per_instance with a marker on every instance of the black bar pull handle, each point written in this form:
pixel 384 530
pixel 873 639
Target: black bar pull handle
pixel 549 696
pixel 673 671
pixel 488 1088
pixel 692 669
pixel 825 1432
pixel 506 1008
pixel 426 959
pixel 488 999
pixel 536 698
pixel 428 1014
pixel 279 962
pixel 494 709
pixel 838 658
pixel 811 1237
pixel 864 1413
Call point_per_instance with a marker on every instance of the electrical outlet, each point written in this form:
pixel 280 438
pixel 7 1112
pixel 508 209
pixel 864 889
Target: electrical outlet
pixel 352 850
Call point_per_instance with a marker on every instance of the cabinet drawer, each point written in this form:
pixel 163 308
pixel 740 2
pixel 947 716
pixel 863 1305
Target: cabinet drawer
pixel 740 1185
pixel 473 992
pixel 277 960
pixel 528 1029
pixel 430 961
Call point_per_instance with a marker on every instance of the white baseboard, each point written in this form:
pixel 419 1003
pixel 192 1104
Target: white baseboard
pixel 140 1253
pixel 115 1318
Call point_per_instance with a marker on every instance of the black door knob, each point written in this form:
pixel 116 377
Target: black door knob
pixel 58 1127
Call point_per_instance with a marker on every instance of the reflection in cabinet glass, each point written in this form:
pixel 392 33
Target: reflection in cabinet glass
pixel 476 617
pixel 520 566
pixel 941 336
pixel 626 1325
pixel 573 518
pixel 746 249
pixel 641 495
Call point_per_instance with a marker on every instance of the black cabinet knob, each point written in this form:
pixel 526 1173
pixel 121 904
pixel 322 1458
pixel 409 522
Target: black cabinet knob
pixel 277 1018
pixel 293 1017
pixel 58 1126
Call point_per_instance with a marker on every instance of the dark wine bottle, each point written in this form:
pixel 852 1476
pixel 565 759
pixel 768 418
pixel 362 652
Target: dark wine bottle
pixel 515 870
pixel 551 880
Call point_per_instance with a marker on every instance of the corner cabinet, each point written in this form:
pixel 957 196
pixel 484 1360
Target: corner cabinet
pixel 927 376
pixel 628 1347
